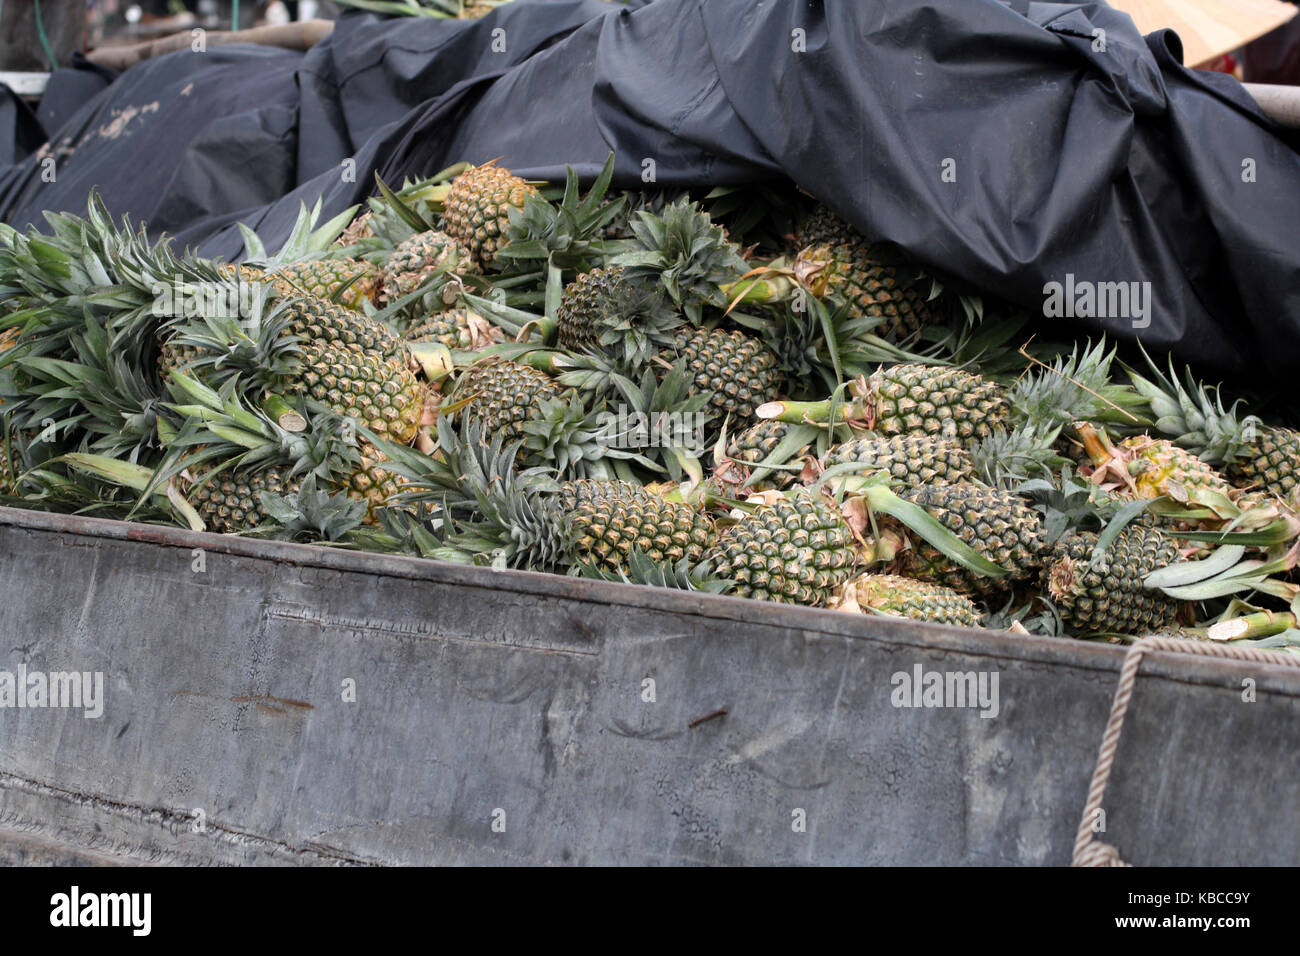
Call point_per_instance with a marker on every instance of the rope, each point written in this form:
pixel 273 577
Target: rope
pixel 45 41
pixel 1089 851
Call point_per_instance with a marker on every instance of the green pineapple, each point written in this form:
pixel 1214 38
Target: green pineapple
pixel 1252 454
pixel 904 597
pixel 795 550
pixel 617 313
pixel 416 258
pixel 460 329
pixel 821 227
pixel 736 371
pixel 873 286
pixel 773 442
pixel 997 525
pixel 929 400
pixel 910 460
pixel 608 519
pixel 503 395
pixel 229 501
pixel 1107 596
pixel 349 282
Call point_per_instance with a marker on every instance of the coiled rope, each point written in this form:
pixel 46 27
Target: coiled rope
pixel 1089 851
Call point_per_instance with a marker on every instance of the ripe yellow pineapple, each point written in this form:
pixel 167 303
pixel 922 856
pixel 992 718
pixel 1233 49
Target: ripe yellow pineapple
pixel 478 206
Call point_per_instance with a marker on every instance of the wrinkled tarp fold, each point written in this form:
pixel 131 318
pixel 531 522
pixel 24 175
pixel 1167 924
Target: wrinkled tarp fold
pixel 1010 150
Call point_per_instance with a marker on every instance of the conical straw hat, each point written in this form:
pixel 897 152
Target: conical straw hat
pixel 1208 28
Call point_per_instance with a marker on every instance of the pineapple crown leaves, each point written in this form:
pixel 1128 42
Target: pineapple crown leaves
pixel 762 213
pixel 399 530
pixel 514 525
pixel 666 399
pixel 1193 414
pixel 249 342
pixel 1006 457
pixel 691 255
pixel 311 514
pixel 307 240
pixel 562 235
pixel 220 426
pixel 105 472
pixel 1228 571
pixel 637 321
pixel 69 262
pixel 1073 388
pixel 1069 502
pixel 396 215
pixel 92 391
pixel 575 441
pixel 682 575
pixel 1038 615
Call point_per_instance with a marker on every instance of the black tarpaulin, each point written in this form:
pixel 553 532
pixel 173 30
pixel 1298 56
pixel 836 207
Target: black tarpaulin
pixel 1010 148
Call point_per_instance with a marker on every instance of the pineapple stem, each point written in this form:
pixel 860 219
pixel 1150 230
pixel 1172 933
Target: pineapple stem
pixel 812 412
pixel 1250 626
pixel 1095 443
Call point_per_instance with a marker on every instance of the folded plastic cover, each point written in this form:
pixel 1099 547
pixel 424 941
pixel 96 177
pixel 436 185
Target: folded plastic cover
pixel 1044 151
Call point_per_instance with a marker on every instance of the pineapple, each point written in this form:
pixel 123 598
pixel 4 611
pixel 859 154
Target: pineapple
pixel 736 371
pixel 1142 467
pixel 229 502
pixel 349 282
pixel 306 264
pixel 416 258
pixel 503 395
pixel 1252 454
pixel 318 323
pixel 358 230
pixel 1270 461
pixel 756 444
pixel 997 525
pixel 354 364
pixel 457 329
pixel 356 383
pixel 1108 597
pixel 478 206
pixel 608 519
pixel 821 227
pixel 525 520
pixel 796 550
pixel 910 400
pixel 371 482
pixel 873 287
pixel 904 597
pixel 618 313
pixel 262 455
pixel 910 460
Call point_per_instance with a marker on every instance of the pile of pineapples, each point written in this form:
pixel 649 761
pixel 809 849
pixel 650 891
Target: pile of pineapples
pixel 735 393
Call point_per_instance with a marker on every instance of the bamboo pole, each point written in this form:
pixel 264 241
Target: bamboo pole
pixel 292 36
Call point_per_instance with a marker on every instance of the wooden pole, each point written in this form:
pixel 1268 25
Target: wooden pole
pixel 291 36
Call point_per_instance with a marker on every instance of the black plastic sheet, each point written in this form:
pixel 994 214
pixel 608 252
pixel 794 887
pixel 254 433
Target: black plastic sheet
pixel 1012 146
